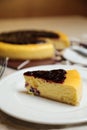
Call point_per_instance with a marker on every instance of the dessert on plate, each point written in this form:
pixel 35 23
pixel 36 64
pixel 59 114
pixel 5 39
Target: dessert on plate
pixel 31 44
pixel 60 85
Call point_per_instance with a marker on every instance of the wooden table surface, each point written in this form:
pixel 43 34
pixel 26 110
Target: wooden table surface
pixel 74 26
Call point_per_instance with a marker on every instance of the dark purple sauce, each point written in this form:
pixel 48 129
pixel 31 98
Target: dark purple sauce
pixel 57 76
pixel 27 36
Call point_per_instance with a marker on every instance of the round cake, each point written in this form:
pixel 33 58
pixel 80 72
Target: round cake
pixel 31 44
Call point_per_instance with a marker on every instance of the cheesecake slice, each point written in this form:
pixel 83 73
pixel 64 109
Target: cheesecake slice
pixel 61 85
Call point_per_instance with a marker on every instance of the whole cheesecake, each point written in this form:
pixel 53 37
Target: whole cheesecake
pixel 61 85
pixel 31 44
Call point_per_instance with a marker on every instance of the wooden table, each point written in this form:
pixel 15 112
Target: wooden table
pixel 74 26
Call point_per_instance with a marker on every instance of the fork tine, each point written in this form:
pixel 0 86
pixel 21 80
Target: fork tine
pixel 3 64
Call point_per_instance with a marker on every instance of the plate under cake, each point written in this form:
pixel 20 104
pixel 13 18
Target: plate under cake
pixel 61 85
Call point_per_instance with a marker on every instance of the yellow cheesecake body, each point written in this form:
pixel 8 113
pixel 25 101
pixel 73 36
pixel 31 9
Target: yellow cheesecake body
pixel 70 91
pixel 61 43
pixel 30 51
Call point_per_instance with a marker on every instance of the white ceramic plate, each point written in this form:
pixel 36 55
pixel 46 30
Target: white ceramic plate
pixel 74 57
pixel 16 102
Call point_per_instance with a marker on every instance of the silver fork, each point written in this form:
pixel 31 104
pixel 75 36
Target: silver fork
pixel 3 63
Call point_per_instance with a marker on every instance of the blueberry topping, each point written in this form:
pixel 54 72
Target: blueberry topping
pixel 57 76
pixel 27 36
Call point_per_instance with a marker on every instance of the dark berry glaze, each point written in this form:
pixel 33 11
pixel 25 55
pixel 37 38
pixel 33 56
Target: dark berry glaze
pixel 27 36
pixel 57 76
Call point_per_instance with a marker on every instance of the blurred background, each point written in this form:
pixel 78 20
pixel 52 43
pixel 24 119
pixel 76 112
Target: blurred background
pixel 41 8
